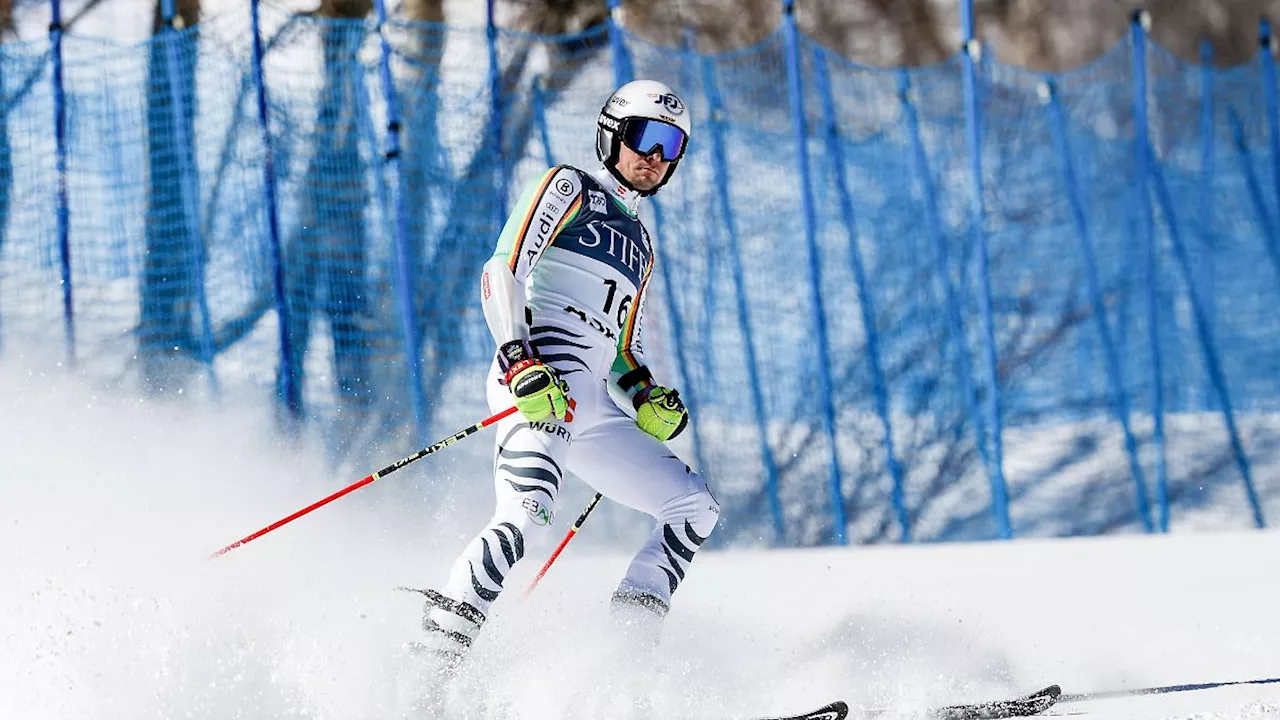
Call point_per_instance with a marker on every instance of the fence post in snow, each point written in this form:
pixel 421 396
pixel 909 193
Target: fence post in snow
pixel 1115 377
pixel 825 386
pixel 720 166
pixel 1142 196
pixel 1205 258
pixel 879 386
pixel 1207 347
pixel 186 177
pixel 404 290
pixel 61 200
pixel 289 388
pixel 954 316
pixel 971 52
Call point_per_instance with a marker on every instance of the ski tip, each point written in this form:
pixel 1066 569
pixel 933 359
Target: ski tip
pixel 838 710
pixel 1052 691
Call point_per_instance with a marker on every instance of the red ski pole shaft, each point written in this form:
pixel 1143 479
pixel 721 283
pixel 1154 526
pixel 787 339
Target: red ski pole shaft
pixel 568 536
pixel 369 479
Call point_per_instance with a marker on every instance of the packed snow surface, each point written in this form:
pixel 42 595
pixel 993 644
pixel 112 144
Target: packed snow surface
pixel 111 608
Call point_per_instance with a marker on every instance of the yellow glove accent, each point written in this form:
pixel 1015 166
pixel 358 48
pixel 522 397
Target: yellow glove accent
pixel 538 390
pixel 660 412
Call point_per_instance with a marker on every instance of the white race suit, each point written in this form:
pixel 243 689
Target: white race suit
pixel 569 275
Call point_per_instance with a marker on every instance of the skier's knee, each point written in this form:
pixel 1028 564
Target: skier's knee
pixel 705 509
pixel 699 511
pixel 706 513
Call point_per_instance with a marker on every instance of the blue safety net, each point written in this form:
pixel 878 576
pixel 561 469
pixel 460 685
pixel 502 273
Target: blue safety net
pixel 299 208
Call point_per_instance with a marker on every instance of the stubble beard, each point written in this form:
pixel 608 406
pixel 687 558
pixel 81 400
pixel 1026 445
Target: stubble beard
pixel 644 183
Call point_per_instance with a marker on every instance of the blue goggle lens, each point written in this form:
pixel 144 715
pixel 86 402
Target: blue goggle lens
pixel 645 136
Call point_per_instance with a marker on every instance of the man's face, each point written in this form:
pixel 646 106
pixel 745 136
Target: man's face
pixel 644 172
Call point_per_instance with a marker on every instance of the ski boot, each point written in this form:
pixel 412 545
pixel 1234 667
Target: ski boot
pixel 637 617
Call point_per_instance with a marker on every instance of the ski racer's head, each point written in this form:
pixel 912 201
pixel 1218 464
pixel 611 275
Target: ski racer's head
pixel 641 134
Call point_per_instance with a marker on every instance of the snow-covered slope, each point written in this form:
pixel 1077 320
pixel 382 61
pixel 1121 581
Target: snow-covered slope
pixel 109 607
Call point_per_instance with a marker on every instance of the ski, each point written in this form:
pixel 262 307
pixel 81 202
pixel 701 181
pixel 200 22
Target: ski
pixel 837 710
pixel 1025 706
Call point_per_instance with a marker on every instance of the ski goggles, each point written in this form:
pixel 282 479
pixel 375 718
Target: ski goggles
pixel 646 136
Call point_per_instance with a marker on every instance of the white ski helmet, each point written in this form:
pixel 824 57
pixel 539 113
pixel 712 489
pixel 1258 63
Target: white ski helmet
pixel 646 115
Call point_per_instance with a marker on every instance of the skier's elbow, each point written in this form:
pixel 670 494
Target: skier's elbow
pixel 495 277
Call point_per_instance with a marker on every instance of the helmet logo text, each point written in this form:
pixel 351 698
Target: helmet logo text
pixel 668 101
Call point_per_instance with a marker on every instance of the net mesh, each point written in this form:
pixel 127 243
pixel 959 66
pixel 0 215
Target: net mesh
pixel 364 300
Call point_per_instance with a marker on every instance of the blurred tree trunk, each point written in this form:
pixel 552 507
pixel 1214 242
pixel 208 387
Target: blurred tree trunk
pixel 326 258
pixel 166 332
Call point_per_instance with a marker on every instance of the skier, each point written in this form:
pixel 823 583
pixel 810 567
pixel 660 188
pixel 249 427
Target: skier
pixel 564 297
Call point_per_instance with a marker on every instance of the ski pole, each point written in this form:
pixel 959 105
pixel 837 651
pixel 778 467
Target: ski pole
pixel 568 536
pixel 369 479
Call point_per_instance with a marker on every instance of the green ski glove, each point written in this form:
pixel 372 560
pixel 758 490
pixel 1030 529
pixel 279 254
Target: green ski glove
pixel 659 412
pixel 537 389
